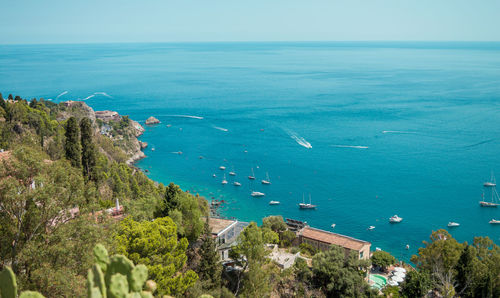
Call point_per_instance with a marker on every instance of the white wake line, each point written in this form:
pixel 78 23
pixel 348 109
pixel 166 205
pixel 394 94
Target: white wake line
pixel 350 146
pixel 221 128
pixel 89 97
pixel 103 94
pixel 65 92
pixel 301 141
pixel 398 131
pixel 186 116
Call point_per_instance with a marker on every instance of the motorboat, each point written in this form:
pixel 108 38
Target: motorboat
pixel 274 202
pixel 257 194
pixel 395 219
pixel 494 221
pixel 252 177
pixel 452 224
pixel 222 168
pixel 333 226
pixel 371 228
pixel 236 183
pixel 224 181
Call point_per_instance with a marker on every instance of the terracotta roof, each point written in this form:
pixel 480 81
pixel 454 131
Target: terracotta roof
pixel 217 225
pixel 333 238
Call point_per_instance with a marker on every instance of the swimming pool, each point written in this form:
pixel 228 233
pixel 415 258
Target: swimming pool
pixel 379 281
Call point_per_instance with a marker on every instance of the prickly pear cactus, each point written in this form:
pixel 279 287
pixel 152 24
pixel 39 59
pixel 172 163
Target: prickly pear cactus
pixel 95 280
pixel 8 285
pixel 118 286
pixel 101 257
pixel 137 278
pixel 31 294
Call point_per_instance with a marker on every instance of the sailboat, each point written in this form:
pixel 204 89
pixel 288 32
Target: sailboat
pixel 236 183
pixel 232 173
pixel 267 180
pixel 491 185
pixel 252 177
pixel 304 205
pixel 224 181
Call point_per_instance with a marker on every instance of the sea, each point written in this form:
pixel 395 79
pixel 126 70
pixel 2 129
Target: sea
pixel 364 130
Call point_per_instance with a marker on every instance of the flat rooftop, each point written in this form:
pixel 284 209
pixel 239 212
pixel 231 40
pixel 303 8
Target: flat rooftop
pixel 217 225
pixel 333 238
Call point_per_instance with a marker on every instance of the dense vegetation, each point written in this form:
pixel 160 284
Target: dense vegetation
pixel 61 174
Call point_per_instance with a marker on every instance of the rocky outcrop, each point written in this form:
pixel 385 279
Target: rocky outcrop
pixel 143 145
pixel 139 130
pixel 152 120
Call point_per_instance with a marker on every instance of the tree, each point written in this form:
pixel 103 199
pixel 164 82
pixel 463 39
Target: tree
pixel 465 272
pixel 155 244
pixel 382 259
pixel 10 97
pixel 88 150
pixel 250 253
pixel 274 223
pixel 416 284
pixel 72 144
pixel 209 269
pixel 339 275
pixel 170 201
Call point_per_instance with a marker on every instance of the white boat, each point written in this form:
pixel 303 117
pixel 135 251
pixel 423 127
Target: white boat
pixel 395 219
pixel 378 249
pixel 495 222
pixel 252 177
pixel 222 168
pixel 371 228
pixel 214 175
pixel 267 180
pixel 232 173
pixel 304 205
pixel 490 187
pixel 492 182
pixel 257 194
pixel 236 183
pixel 224 181
pixel 333 226
pixel 452 224
pixel 274 202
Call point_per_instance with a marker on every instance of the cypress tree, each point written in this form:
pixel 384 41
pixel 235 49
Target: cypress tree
pixel 210 269
pixel 88 150
pixel 2 102
pixel 72 144
pixel 10 97
pixel 465 272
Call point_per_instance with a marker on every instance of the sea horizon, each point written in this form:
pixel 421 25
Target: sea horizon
pixel 406 128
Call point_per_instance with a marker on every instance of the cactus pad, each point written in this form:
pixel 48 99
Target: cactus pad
pixel 8 285
pixel 137 278
pixel 101 256
pixel 118 286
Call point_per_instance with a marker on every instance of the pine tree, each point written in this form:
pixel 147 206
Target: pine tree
pixel 88 150
pixel 210 269
pixel 72 144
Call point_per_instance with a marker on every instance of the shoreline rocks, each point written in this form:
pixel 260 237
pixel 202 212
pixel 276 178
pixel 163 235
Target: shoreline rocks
pixel 152 120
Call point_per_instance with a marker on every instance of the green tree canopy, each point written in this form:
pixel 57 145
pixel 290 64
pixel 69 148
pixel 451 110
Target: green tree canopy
pixel 382 259
pixel 275 223
pixel 88 150
pixel 155 244
pixel 72 144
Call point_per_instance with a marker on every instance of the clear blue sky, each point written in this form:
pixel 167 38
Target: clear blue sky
pixel 81 21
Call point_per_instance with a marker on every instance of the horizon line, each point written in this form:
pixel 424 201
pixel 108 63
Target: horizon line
pixel 250 41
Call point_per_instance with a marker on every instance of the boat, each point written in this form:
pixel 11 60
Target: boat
pixel 222 168
pixel 153 149
pixel 304 205
pixel 494 221
pixel 257 194
pixel 378 249
pixel 214 175
pixel 491 187
pixel 224 181
pixel 452 224
pixel 236 183
pixel 252 177
pixel 274 202
pixel 266 181
pixel 407 246
pixel 492 182
pixel 395 219
pixel 371 228
pixel 232 173
pixel 333 226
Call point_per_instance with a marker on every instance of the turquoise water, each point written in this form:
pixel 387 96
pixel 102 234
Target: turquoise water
pixel 438 103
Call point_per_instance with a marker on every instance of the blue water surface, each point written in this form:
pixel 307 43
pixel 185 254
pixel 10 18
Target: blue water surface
pixel 396 128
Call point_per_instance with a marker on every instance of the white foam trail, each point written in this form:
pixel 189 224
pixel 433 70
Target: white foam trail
pixel 103 94
pixel 187 116
pixel 300 140
pixel 221 128
pixel 350 146
pixel 396 131
pixel 65 92
pixel 88 97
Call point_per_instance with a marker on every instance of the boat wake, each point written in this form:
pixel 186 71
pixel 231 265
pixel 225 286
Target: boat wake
pixel 186 116
pixel 221 128
pixel 300 140
pixel 350 146
pixel 65 92
pixel 398 132
pixel 480 143
pixel 88 97
pixel 103 94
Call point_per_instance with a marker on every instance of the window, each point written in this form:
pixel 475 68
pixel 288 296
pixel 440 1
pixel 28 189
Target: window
pixel 361 255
